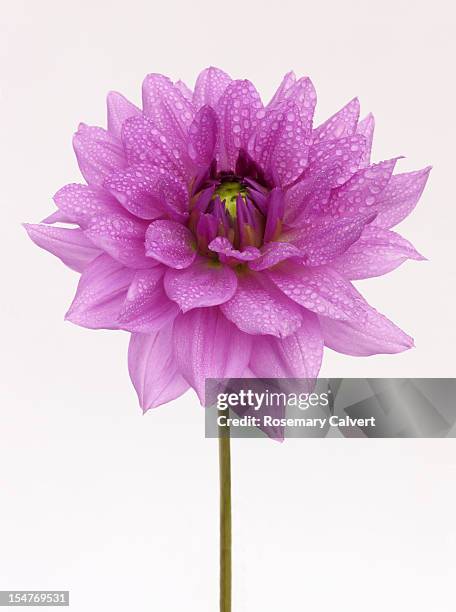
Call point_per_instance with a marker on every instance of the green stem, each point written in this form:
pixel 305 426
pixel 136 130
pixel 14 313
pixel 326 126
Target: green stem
pixel 225 519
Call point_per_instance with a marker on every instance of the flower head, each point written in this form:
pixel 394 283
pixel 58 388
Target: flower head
pixel 224 233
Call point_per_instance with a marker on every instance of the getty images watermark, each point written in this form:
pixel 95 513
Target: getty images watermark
pixel 273 407
pixel 349 407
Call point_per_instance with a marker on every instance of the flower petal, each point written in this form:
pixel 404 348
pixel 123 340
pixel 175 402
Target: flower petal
pixel 69 245
pixel 170 243
pixel 237 110
pixel 288 81
pixel 258 308
pixel 298 355
pixel 306 196
pixel 82 203
pixel 153 369
pixel 377 252
pixel 207 345
pixel 119 110
pixel 400 197
pixel 202 136
pixel 147 308
pixel 322 239
pixel 163 102
pixel 321 290
pixel 147 193
pixel 280 144
pixel 101 292
pixel 362 191
pixel 122 238
pixel 209 87
pixel 145 143
pixel 349 324
pixel 337 159
pixel 302 92
pixel 343 123
pixel 204 283
pixel 184 89
pixel 366 128
pixel 98 153
pixel 227 252
pixel 273 253
pixel 370 335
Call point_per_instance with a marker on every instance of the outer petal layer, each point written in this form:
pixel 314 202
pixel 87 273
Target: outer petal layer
pixel 400 197
pixel 98 152
pixel 207 345
pixel 119 110
pixel 69 245
pixel 371 335
pixel 377 252
pixel 209 87
pixel 348 323
pixel 153 369
pixel 101 292
pixel 83 203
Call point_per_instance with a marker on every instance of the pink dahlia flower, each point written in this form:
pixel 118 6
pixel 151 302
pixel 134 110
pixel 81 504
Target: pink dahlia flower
pixel 224 233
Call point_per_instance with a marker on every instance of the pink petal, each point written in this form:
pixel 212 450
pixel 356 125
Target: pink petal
pixel 204 283
pixel 184 89
pixel 309 195
pixel 287 82
pixel 298 355
pixel 170 243
pixel 147 193
pixel 377 252
pixel 273 253
pixel 280 143
pixel 400 197
pixel 338 159
pixel 362 191
pixel 366 128
pixel 369 335
pixel 202 136
pixel 207 345
pixel 227 252
pixel 122 238
pixel 349 324
pixel 303 93
pixel 153 369
pixel 98 153
pixel 101 292
pixel 69 245
pixel 321 290
pixel 163 102
pixel 210 85
pixel 258 308
pixel 322 239
pixel 343 123
pixel 119 110
pixel 237 110
pixel 145 143
pixel 147 307
pixel 57 217
pixel 83 203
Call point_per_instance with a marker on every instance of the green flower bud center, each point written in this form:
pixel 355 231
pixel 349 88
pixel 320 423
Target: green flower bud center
pixel 228 192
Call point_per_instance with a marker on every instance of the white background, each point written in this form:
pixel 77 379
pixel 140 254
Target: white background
pixel 122 509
